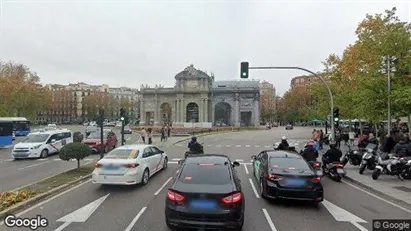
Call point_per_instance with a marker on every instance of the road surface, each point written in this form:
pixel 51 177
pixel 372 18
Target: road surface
pixel 92 207
pixel 18 173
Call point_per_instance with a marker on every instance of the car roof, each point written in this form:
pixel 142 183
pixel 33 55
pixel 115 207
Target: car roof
pixel 282 154
pixel 217 159
pixel 50 132
pixel 136 146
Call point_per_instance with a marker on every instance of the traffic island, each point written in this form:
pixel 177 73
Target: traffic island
pixel 13 201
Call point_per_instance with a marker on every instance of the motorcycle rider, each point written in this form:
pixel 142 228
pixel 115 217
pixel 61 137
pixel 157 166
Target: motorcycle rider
pixel 403 147
pixel 372 140
pixel 332 155
pixel 194 146
pixel 310 153
pixel 284 144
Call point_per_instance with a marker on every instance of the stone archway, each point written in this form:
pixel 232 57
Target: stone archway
pixel 222 114
pixel 192 115
pixel 165 113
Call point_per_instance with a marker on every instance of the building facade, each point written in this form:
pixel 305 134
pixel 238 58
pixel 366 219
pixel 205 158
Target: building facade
pixel 197 100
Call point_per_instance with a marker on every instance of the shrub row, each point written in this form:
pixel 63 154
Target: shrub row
pixel 9 198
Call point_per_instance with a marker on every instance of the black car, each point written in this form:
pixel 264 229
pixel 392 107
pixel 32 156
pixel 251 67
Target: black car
pixel 206 193
pixel 286 175
pixel 289 127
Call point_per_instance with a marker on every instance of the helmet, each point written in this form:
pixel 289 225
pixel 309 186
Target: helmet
pixel 284 138
pixel 311 143
pixel 333 145
pixel 194 138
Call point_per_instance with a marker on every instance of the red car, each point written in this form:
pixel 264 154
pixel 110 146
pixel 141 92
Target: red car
pixel 94 141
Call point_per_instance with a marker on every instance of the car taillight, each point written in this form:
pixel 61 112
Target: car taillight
pixel 274 177
pixel 131 165
pixel 99 165
pixel 317 164
pixel 233 198
pixel 316 179
pixel 175 197
pixel 339 166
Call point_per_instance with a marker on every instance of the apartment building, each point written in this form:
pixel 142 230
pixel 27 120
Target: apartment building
pixel 303 80
pixel 69 106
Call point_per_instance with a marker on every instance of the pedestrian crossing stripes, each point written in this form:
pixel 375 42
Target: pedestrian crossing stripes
pixel 295 144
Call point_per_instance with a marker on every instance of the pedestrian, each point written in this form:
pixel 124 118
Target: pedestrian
pixel 149 135
pixel 168 130
pixel 351 136
pixel 316 138
pixel 163 134
pixel 143 135
pixel 321 139
pixel 338 138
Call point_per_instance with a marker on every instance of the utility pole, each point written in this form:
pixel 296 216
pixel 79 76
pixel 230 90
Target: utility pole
pixel 244 74
pixel 122 115
pixel 101 112
pixel 388 68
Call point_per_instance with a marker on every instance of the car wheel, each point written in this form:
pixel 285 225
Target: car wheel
pixel 44 153
pixel 146 176
pixel 165 163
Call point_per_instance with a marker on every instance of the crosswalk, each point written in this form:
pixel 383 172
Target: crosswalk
pixel 46 159
pixel 294 143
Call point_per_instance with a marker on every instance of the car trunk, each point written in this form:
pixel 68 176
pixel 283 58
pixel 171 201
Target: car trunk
pixel 115 167
pixel 294 178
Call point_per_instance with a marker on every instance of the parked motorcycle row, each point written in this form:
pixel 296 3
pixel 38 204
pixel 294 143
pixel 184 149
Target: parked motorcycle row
pixel 370 158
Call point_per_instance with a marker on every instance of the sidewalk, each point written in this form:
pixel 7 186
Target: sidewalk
pixel 386 186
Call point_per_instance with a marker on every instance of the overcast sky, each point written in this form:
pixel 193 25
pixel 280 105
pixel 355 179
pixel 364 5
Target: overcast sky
pixel 128 43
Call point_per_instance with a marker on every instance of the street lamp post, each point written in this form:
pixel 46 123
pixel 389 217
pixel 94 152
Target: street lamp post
pixel 388 68
pixel 330 95
pixel 101 118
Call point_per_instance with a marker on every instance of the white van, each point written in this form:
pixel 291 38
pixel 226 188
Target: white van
pixel 41 144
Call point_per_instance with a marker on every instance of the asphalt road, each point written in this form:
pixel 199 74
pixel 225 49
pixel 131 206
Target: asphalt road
pixel 346 207
pixel 18 173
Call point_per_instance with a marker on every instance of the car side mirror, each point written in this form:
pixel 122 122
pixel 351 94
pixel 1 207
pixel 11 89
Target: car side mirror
pixel 319 173
pixel 161 151
pixel 236 164
pixel 53 140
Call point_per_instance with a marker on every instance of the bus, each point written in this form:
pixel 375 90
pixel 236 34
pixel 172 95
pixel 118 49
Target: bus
pixel 21 125
pixel 6 133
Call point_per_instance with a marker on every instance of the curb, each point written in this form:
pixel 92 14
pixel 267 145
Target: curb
pixel 377 192
pixel 32 201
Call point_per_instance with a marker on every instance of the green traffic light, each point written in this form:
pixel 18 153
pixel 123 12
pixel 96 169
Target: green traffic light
pixel 122 118
pixel 336 119
pixel 244 74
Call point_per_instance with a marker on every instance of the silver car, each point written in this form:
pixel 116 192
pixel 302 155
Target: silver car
pixel 127 130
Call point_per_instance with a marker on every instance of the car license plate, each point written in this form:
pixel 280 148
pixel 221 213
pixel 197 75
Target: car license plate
pixel 340 171
pixel 295 182
pixel 203 204
pixel 111 167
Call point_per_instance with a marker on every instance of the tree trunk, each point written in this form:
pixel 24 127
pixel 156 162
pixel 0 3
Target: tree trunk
pixel 78 163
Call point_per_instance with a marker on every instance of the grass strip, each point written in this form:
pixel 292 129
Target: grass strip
pixel 10 198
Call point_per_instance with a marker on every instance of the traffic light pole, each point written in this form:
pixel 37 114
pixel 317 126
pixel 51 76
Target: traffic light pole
pixel 102 133
pixel 122 132
pixel 330 95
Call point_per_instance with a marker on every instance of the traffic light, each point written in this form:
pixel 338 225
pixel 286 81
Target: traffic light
pixel 122 113
pixel 244 70
pixel 336 114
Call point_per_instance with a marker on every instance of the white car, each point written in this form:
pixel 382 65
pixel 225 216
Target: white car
pixel 130 165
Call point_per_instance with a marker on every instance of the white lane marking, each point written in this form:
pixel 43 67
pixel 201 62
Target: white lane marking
pixel 162 186
pixel 228 146
pixel 128 138
pixel 341 214
pixel 267 146
pixel 238 146
pixel 9 160
pixel 254 189
pixel 176 159
pixel 41 159
pixel 246 169
pixel 208 145
pixel 380 198
pixel 134 221
pixel 63 226
pixel 218 146
pixel 257 146
pixel 270 222
pixel 247 146
pixel 172 162
pixel 34 165
pixel 48 200
pixel 239 160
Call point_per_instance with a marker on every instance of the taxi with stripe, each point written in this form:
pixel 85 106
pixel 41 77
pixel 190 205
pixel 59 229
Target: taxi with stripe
pixel 130 165
pixel 42 143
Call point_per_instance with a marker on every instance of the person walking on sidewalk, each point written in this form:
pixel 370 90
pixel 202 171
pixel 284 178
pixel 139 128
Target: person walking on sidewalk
pixel 168 131
pixel 143 135
pixel 351 137
pixel 149 136
pixel 163 134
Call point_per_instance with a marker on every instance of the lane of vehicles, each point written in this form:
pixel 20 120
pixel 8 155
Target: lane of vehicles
pixel 21 125
pixel 6 133
pixel 93 140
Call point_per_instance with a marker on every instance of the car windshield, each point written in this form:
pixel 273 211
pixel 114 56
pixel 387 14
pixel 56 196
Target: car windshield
pixel 288 163
pixel 127 127
pixel 38 138
pixel 205 174
pixel 122 154
pixel 96 135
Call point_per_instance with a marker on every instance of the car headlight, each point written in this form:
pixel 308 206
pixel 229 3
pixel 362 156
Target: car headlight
pixel 36 147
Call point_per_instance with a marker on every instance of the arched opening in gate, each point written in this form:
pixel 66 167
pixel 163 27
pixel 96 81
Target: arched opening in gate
pixel 166 112
pixel 222 114
pixel 192 113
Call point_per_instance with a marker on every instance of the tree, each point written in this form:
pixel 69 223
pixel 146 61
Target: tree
pixel 97 100
pixel 21 93
pixel 267 106
pixel 75 150
pixel 358 86
pixel 299 104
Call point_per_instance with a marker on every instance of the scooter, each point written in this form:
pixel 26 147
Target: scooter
pixel 391 165
pixel 352 156
pixel 369 158
pixel 335 171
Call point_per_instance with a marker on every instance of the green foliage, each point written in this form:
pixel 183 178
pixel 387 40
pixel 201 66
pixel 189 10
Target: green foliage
pixel 358 85
pixel 76 150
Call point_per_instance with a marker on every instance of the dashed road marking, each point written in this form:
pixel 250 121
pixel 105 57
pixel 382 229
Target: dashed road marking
pixel 267 146
pixel 176 159
pixel 228 146
pixel 257 146
pixel 247 146
pixel 41 159
pixel 239 160
pixel 238 146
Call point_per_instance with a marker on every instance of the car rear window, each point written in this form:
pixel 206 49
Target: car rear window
pixel 288 163
pixel 205 174
pixel 122 154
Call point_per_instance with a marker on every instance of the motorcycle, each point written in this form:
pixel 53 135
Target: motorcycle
pixel 194 153
pixel 391 165
pixel 352 156
pixel 369 158
pixel 315 164
pixel 335 171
